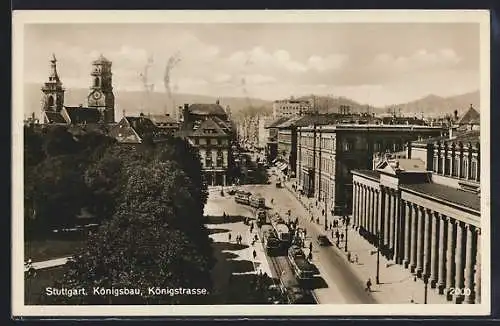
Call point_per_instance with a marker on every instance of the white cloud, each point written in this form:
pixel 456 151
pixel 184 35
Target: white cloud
pixel 222 78
pixel 421 59
pixel 260 59
pixel 257 79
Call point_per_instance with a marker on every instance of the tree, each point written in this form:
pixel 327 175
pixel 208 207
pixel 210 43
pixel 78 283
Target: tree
pixel 59 141
pixel 156 238
pixel 55 193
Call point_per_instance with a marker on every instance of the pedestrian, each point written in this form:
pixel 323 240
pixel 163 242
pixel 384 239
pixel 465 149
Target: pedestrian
pixel 229 237
pixel 349 256
pixel 337 234
pixel 256 237
pixel 323 212
pixel 317 220
pixel 310 246
pixel 310 256
pixel 356 258
pixel 342 236
pixel 368 285
pixel 254 254
pixel 305 233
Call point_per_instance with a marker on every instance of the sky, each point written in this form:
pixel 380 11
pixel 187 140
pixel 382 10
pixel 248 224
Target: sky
pixel 372 63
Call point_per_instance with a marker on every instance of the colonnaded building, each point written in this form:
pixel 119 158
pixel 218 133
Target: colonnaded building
pixel 423 212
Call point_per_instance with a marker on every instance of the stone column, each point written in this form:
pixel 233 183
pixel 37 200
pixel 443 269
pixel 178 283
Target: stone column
pixel 469 263
pixel 374 212
pixel 442 254
pixel 368 208
pixel 450 258
pixel 477 278
pixel 407 248
pixel 372 209
pixel 380 216
pixel 414 238
pixel 354 203
pixel 224 178
pixel 386 217
pixel 420 241
pixel 363 204
pixel 459 263
pixel 427 241
pixel 398 230
pixel 376 218
pixel 434 249
pixel 391 221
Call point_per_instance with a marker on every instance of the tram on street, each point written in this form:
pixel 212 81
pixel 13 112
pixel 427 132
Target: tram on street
pixel 257 201
pixel 302 268
pixel 242 197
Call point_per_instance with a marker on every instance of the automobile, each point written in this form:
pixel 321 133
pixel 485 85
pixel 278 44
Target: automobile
pixel 323 240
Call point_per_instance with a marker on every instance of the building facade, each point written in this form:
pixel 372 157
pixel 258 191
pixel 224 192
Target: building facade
pixel 207 127
pixel 291 107
pixel 326 155
pixel 427 219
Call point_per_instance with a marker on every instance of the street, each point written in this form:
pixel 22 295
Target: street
pixel 342 285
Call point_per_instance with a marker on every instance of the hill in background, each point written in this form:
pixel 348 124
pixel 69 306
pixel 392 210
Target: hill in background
pixel 130 102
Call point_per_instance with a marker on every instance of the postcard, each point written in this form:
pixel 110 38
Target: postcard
pixel 251 163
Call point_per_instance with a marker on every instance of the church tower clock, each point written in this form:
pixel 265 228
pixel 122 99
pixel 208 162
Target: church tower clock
pixel 101 92
pixel 53 91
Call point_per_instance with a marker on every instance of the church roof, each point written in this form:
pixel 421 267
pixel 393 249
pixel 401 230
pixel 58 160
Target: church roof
pixel 206 109
pixel 78 114
pixel 54 117
pixel 470 117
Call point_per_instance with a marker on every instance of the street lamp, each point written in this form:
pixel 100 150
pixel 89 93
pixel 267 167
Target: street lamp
pixel 377 280
pixel 426 282
pixel 346 222
pixel 326 213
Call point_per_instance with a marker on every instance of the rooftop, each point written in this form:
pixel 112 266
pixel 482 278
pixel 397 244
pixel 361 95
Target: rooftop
pixel 472 137
pixel 459 197
pixel 470 117
pixel 79 114
pixel 207 109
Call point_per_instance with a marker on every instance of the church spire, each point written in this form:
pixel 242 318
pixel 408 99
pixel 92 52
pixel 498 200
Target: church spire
pixel 53 77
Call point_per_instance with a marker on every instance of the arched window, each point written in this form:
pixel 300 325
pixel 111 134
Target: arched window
pixel 96 82
pixel 50 102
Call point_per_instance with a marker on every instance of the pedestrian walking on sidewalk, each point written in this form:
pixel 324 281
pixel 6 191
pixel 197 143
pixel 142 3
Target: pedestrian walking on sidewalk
pixel 310 256
pixel 312 219
pixel 368 285
pixel 254 254
pixel 310 246
pixel 229 237
pixel 323 212
pixel 317 220
pixel 337 234
pixel 356 258
pixel 342 236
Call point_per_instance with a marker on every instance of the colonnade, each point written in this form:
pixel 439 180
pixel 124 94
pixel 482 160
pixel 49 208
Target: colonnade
pixel 440 249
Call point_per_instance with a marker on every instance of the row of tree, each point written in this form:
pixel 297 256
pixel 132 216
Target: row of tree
pixel 149 200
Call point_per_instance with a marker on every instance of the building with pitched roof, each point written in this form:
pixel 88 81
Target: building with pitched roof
pixel 208 128
pixel 165 122
pixel 137 130
pixel 424 212
pixel 470 120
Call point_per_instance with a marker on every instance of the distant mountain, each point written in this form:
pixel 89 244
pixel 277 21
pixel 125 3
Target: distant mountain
pixel 130 101
pixel 326 104
pixel 433 105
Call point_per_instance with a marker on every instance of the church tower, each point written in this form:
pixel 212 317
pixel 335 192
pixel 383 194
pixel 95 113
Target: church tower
pixel 53 92
pixel 101 92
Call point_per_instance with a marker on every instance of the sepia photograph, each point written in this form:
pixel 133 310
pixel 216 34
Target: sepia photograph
pixel 251 163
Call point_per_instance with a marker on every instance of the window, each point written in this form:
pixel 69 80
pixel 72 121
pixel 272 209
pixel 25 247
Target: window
pixel 473 170
pixel 456 162
pixel 447 166
pixel 465 167
pixel 50 102
pixel 208 159
pixel 197 141
pixel 220 158
pixel 219 141
pixel 96 82
pixel 440 164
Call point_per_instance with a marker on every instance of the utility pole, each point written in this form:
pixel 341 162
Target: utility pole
pixel 377 277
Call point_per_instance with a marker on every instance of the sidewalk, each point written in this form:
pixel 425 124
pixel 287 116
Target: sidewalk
pixel 48 263
pixel 397 284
